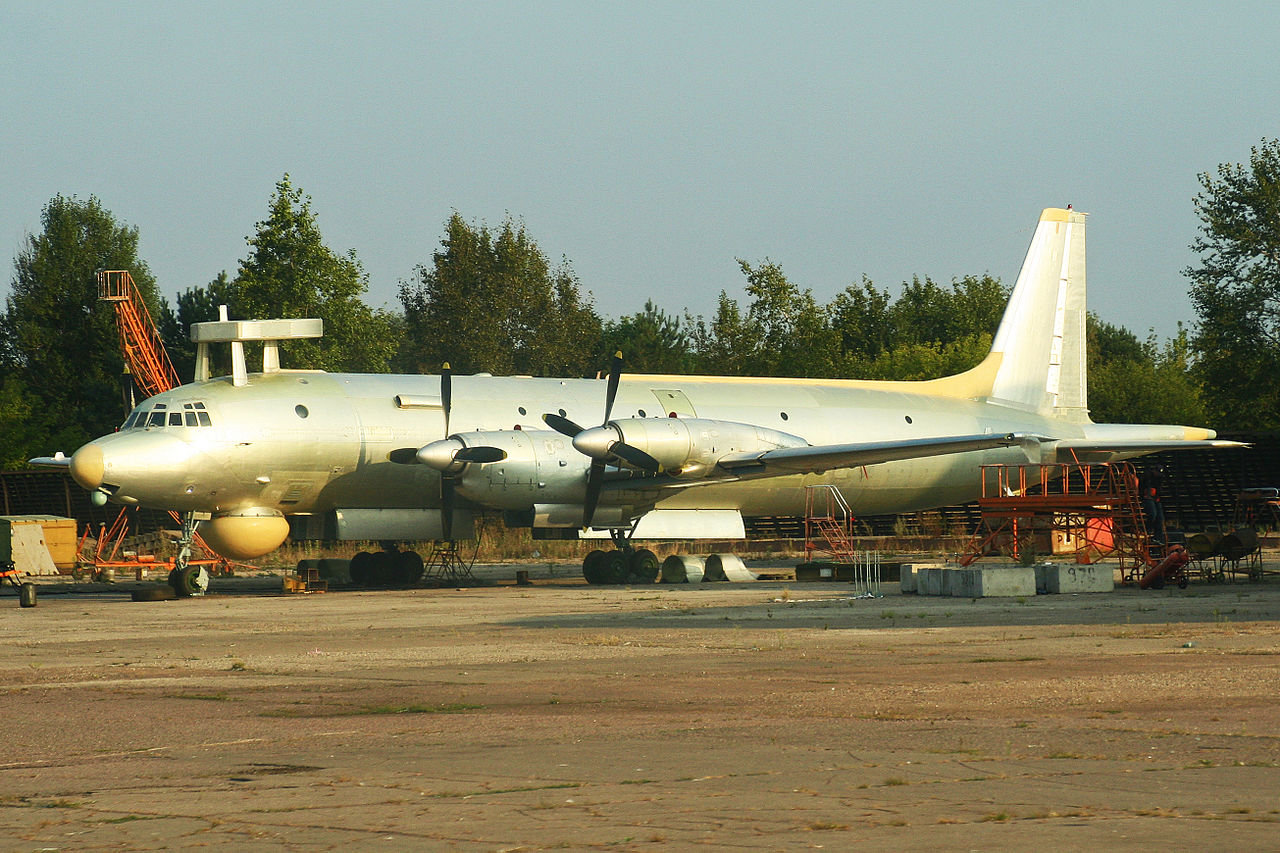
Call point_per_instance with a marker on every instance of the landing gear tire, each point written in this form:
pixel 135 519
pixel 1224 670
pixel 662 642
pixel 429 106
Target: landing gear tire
pixel 593 567
pixel 384 568
pixel 614 567
pixel 643 566
pixel 361 569
pixel 27 595
pixel 409 568
pixel 189 581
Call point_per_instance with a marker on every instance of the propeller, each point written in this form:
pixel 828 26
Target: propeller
pixel 603 443
pixel 447 487
pixel 448 455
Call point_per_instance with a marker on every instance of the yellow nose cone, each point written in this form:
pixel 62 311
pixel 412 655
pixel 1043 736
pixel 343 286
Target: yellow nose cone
pixel 87 466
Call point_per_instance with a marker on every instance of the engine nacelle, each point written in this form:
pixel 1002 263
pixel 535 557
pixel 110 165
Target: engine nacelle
pixel 541 466
pixel 691 447
pixel 245 534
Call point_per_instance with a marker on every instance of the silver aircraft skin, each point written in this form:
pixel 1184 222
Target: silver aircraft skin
pixel 679 456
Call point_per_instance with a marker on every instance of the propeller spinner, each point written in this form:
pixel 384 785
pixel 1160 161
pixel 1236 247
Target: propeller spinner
pixel 603 444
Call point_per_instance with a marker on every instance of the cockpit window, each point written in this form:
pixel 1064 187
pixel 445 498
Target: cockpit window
pixel 156 419
pixel 204 418
pixel 129 422
pixel 175 419
pixel 191 418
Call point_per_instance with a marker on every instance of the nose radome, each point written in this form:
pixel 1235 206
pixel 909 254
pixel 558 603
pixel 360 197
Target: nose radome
pixel 87 466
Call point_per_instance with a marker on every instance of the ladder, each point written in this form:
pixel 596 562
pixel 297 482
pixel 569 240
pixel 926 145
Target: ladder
pixel 144 354
pixel 826 524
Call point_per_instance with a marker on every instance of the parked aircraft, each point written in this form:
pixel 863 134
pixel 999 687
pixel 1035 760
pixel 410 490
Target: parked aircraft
pixel 402 458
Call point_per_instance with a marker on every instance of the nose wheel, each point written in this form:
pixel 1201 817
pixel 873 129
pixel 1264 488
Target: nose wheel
pixel 188 580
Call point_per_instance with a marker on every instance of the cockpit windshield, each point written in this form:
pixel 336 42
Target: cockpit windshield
pixel 157 415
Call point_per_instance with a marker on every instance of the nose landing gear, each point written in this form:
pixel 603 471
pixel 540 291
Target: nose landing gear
pixel 188 580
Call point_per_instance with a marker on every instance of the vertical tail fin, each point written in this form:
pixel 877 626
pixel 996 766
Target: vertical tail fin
pixel 1041 340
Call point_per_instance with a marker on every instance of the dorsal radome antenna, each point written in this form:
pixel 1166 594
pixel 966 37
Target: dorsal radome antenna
pixel 236 332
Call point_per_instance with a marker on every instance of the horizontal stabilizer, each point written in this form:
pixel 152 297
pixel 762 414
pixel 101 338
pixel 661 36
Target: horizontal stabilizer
pixel 57 460
pixel 1095 450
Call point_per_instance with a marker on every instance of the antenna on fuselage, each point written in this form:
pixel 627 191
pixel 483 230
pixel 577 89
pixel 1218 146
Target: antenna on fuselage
pixel 236 332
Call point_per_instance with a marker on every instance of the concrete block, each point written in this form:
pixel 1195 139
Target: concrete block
pixel 998 581
pixel 907 577
pixel 929 580
pixel 1077 578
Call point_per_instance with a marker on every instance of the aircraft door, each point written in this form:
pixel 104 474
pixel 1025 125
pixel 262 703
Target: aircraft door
pixel 674 403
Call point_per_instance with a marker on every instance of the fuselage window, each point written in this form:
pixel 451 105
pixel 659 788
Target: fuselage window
pixel 175 419
pixel 156 419
pixel 204 418
pixel 301 411
pixel 191 418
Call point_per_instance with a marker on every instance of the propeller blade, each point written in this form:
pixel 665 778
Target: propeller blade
pixel 446 393
pixel 446 507
pixel 480 454
pixel 562 425
pixel 595 480
pixel 635 457
pixel 403 456
pixel 611 391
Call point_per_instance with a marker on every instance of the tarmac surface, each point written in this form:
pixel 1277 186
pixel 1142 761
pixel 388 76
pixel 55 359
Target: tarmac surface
pixel 768 716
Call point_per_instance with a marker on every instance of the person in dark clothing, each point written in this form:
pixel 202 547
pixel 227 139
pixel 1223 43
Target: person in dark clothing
pixel 1150 490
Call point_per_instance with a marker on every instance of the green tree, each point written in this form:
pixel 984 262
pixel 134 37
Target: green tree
pixel 1135 381
pixel 650 341
pixel 24 430
pixel 1235 288
pixel 62 344
pixel 784 332
pixel 289 272
pixel 491 301
pixel 863 327
pixel 196 305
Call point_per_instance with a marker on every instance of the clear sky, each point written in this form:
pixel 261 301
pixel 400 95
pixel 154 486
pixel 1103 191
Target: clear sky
pixel 651 144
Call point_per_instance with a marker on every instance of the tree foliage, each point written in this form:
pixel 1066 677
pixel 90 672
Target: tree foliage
pixel 1235 288
pixel 289 272
pixel 650 341
pixel 63 350
pixel 1135 381
pixel 491 301
pixel 195 305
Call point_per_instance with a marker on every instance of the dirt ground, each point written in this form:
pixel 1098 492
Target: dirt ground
pixel 758 716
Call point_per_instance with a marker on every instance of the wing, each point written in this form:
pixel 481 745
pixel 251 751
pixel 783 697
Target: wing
pixel 811 459
pixel 808 459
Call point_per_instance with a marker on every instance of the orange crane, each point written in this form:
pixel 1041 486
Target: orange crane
pixel 140 344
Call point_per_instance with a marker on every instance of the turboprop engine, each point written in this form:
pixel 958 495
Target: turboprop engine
pixel 679 447
pixel 245 534
pixel 508 469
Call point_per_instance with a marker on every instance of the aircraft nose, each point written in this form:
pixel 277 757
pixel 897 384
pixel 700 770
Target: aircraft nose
pixel 87 466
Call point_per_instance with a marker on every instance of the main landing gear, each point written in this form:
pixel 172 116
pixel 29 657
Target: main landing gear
pixel 624 565
pixel 388 567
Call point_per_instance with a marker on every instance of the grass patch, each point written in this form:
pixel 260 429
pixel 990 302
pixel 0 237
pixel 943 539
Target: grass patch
pixel 995 817
pixel 893 782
